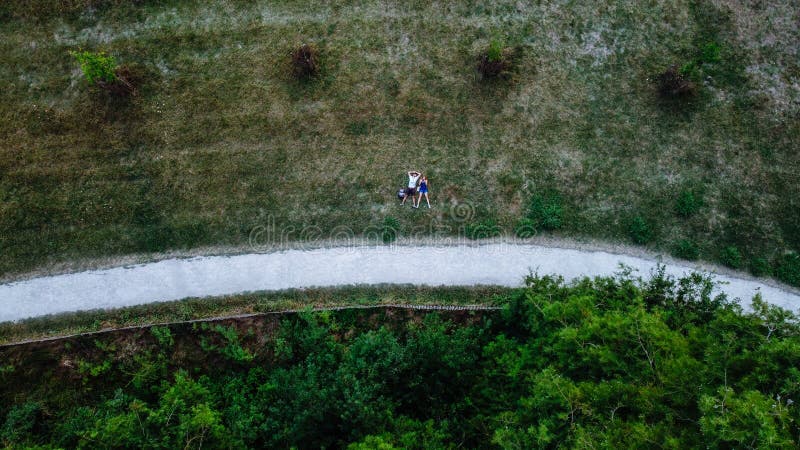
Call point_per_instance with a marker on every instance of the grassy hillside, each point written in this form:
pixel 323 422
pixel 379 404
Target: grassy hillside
pixel 220 138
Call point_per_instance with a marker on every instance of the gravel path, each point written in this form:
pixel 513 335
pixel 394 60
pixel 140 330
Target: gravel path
pixel 491 264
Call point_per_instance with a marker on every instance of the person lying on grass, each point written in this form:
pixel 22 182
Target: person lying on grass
pixel 411 190
pixel 423 190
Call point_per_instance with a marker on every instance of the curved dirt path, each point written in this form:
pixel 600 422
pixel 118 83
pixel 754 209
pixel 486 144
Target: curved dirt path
pixel 492 264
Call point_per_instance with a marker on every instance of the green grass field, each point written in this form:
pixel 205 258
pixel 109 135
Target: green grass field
pixel 220 138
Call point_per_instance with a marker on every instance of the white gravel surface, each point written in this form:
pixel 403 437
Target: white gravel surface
pixel 491 264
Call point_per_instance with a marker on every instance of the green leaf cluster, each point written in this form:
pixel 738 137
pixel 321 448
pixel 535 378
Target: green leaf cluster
pixel 96 66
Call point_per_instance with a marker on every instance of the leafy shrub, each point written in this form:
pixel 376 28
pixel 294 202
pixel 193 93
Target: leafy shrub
pixel 102 70
pixel 482 230
pixel 760 267
pixel 525 228
pixel 711 53
pixel 688 203
pixel 732 257
pixel 639 230
pixel 20 421
pixel 495 62
pixel 233 350
pixel 96 66
pixel 163 335
pixel 674 84
pixel 787 269
pixel 389 230
pixel 495 51
pixel 717 64
pixel 305 62
pixel 546 211
pixel 686 249
pixel 94 370
pixel 690 71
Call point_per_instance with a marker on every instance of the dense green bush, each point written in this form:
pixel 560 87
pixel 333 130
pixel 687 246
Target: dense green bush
pixel 495 51
pixel 760 267
pixel 639 230
pixel 546 210
pixel 688 203
pixel 708 54
pixel 711 53
pixel 686 249
pixel 163 335
pixel 526 228
pixel 20 422
pixel 731 257
pixel 787 269
pixel 230 347
pixel 96 66
pixel 102 70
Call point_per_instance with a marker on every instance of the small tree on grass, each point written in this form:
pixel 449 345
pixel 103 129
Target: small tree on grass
pixel 496 61
pixel 731 257
pixel 305 62
pixel 673 83
pixel 686 249
pixel 102 70
pixel 688 203
pixel 639 230
pixel 96 66
pixel 546 211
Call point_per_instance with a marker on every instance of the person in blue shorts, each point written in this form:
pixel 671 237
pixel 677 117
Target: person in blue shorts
pixel 423 190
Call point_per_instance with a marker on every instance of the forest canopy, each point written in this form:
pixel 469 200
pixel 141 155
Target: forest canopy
pixel 609 362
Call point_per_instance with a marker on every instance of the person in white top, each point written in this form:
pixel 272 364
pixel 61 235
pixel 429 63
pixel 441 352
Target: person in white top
pixel 411 190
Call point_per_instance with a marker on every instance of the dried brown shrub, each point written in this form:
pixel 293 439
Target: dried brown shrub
pixel 673 84
pixel 305 62
pixel 125 83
